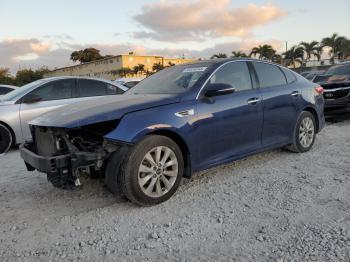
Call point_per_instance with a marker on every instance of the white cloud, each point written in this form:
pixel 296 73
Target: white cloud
pixel 201 19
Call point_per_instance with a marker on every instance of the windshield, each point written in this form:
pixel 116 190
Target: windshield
pixel 339 70
pixel 172 80
pixel 20 91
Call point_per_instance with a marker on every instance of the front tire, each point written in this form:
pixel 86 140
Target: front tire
pixel 304 133
pixel 6 139
pixel 150 173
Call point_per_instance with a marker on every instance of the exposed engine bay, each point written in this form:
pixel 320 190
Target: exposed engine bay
pixel 69 153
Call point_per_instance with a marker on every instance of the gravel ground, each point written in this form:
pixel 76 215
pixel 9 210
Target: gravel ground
pixel 275 206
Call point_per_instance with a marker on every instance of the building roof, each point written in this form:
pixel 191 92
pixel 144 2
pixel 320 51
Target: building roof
pixel 111 57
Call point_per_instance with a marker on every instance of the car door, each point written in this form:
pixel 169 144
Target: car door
pixel 280 104
pixel 50 95
pixel 229 125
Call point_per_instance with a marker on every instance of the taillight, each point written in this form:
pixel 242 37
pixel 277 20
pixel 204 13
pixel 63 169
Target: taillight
pixel 319 90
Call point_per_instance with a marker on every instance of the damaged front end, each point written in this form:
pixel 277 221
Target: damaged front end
pixel 64 154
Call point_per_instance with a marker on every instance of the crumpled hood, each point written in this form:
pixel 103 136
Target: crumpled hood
pixel 100 110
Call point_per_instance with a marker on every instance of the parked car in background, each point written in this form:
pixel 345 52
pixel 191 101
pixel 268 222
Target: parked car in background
pixel 183 119
pixel 4 89
pixel 30 101
pixel 336 84
pixel 312 74
pixel 129 82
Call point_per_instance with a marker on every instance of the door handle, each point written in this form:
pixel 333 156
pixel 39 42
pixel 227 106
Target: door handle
pixel 253 101
pixel 295 93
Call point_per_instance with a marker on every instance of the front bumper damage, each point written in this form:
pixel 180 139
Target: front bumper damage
pixel 64 170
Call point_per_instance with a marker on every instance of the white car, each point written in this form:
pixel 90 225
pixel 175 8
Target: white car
pixel 24 104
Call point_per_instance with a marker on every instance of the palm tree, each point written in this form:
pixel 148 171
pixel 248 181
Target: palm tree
pixel 277 58
pixel 122 72
pixel 334 42
pixel 239 54
pixel 140 68
pixel 311 49
pixel 295 54
pixel 263 52
pixel 344 49
pixel 157 67
pixel 219 55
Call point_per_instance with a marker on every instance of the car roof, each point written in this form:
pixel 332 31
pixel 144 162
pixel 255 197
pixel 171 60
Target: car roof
pixel 218 61
pixel 9 86
pixel 76 77
pixel 129 79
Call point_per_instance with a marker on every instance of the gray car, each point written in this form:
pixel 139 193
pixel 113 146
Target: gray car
pixel 32 100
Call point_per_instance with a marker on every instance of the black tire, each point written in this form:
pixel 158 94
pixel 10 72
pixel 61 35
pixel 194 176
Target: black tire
pixel 123 170
pixel 6 139
pixel 296 146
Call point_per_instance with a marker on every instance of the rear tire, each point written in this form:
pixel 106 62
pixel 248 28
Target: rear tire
pixel 6 139
pixel 149 173
pixel 304 133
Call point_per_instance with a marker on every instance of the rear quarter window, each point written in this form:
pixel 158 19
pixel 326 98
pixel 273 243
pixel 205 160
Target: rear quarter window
pixel 289 75
pixel 269 75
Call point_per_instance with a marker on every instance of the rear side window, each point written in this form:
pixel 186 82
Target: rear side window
pixel 289 75
pixel 57 90
pixel 88 88
pixel 269 75
pixel 113 90
pixel 131 84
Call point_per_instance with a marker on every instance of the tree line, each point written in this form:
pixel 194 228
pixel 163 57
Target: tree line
pixel 22 77
pixel 339 48
pixel 140 69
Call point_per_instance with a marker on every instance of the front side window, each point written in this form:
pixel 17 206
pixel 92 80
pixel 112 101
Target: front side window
pixel 56 90
pixel 21 91
pixel 235 74
pixel 269 75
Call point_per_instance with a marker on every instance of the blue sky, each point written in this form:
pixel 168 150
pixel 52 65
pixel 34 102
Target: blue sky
pixel 41 32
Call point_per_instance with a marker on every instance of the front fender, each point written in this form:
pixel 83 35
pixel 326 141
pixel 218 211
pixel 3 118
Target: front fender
pixel 134 126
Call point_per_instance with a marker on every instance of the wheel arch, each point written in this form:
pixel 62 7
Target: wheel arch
pixel 12 132
pixel 182 145
pixel 314 113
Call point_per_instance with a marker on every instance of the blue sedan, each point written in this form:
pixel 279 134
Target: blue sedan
pixel 178 121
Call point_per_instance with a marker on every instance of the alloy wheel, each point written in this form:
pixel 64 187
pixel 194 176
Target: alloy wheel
pixel 306 132
pixel 158 171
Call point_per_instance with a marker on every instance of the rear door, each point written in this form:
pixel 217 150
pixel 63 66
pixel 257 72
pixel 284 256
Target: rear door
pixel 229 125
pixel 280 103
pixel 53 95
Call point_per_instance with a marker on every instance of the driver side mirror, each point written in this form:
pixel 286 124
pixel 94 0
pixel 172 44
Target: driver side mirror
pixel 219 89
pixel 31 98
